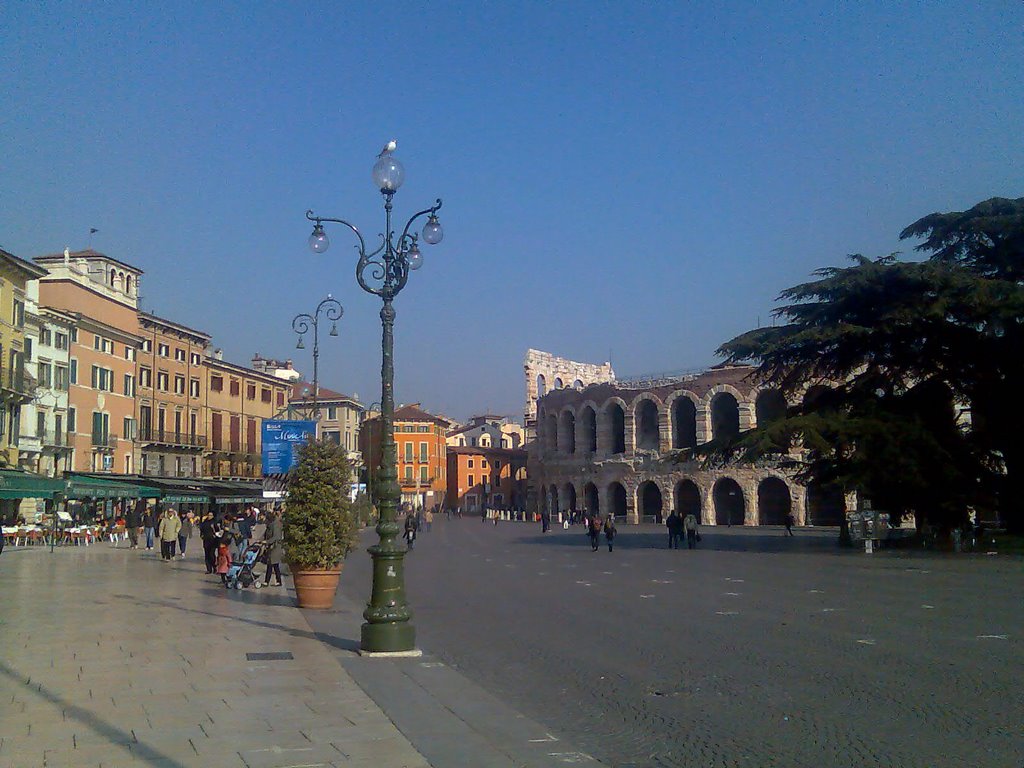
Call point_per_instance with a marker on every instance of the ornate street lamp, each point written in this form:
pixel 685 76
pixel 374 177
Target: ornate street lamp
pixel 384 272
pixel 301 324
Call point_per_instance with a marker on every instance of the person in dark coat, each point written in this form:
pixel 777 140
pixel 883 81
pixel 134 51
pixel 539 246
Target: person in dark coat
pixel 149 523
pixel 210 531
pixel 545 521
pixel 594 531
pixel 610 532
pixel 132 523
pixel 411 526
pixel 675 530
pixel 790 521
pixel 273 536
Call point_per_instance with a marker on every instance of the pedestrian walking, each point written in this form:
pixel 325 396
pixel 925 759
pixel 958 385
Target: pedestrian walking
pixel 169 527
pixel 132 523
pixel 184 533
pixel 210 532
pixel 790 521
pixel 675 530
pixel 690 526
pixel 409 534
pixel 610 532
pixel 149 524
pixel 273 536
pixel 545 521
pixel 428 520
pixel 594 531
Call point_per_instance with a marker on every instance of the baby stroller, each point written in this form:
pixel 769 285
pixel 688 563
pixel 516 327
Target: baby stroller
pixel 240 574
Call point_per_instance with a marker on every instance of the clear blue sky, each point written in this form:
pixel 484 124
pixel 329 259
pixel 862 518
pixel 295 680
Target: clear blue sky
pixel 639 179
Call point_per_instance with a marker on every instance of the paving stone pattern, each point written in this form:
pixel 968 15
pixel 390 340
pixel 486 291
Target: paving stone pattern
pixel 754 650
pixel 114 658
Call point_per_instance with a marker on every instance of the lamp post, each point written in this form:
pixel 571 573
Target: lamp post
pixel 384 272
pixel 372 407
pixel 301 324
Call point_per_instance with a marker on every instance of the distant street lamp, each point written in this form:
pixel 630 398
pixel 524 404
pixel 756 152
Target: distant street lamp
pixel 301 324
pixel 384 272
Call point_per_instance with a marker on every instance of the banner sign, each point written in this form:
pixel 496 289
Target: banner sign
pixel 281 442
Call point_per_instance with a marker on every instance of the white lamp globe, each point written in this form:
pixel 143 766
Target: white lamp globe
pixel 388 174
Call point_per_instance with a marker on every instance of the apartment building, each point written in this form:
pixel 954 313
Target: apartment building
pixel 340 416
pixel 486 476
pixel 102 292
pixel 238 399
pixel 421 461
pixel 171 397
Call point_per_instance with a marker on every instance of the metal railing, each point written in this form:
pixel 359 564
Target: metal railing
pixel 171 437
pixel 101 440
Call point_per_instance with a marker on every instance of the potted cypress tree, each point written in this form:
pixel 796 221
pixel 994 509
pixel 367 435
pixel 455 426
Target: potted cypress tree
pixel 319 529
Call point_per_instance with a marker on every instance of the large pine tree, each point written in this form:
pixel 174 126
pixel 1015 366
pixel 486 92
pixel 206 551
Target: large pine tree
pixel 926 360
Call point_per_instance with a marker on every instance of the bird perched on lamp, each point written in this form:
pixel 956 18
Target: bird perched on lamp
pixel 389 148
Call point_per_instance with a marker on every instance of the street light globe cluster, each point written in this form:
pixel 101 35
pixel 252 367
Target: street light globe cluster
pixel 383 271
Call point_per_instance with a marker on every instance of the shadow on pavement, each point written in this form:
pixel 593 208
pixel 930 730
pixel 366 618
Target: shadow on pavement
pixel 141 752
pixel 766 543
pixel 341 643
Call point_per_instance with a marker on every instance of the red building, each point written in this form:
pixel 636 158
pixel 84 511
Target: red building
pixel 477 476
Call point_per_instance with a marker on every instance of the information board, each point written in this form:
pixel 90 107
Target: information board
pixel 281 442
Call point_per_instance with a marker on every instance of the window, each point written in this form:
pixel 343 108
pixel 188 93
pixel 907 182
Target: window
pixel 60 340
pixel 102 378
pixel 18 314
pixel 195 359
pixel 193 387
pixel 129 386
pixel 217 383
pixel 423 474
pixel 46 338
pixel 129 428
pixel 250 392
pixel 163 350
pixel 280 399
pixel 179 385
pixel 332 413
pixel 408 473
pixel 162 380
pixel 103 345
pixel 41 424
pixel 266 395
pixel 423 452
pixel 129 352
pixel 145 377
pixel 147 345
pixel 497 465
pixel 60 377
pixel 236 387
pixel 179 354
pixel 45 375
pixel 100 428
pixel 408 451
pixel 96 342
pixel 28 348
pixel 471 480
pixel 470 463
pixel 423 428
pixel 72 420
pixel 74 334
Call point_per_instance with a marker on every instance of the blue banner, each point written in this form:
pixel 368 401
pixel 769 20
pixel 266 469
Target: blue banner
pixel 281 442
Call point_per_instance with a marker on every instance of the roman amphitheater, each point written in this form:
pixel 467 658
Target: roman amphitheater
pixel 601 444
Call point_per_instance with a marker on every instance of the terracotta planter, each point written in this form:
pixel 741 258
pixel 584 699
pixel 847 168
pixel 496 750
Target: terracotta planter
pixel 315 589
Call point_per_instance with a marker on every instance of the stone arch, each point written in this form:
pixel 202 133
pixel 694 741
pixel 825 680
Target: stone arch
pixel 553 495
pixel 558 382
pixel 769 405
pixel 567 431
pixel 542 385
pixel 826 504
pixel 725 416
pixel 577 385
pixel 552 432
pixel 646 427
pixel 774 501
pixel 730 506
pixel 613 428
pixel 688 500
pixel 569 497
pixel 586 424
pixel 682 409
pixel 650 501
pixel 617 500
pixel 591 498
pixel 128 284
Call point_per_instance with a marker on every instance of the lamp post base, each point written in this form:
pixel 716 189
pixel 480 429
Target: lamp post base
pixel 398 639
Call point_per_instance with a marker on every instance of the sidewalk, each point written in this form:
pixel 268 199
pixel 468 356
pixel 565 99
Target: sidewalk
pixel 113 658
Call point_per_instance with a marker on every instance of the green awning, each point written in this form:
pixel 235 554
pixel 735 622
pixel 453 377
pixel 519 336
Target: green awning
pixel 15 484
pixel 91 487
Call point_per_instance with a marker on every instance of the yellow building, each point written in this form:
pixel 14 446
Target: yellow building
pixel 238 400
pixel 15 387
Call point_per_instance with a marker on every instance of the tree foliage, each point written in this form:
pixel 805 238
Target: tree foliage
pixel 901 344
pixel 319 527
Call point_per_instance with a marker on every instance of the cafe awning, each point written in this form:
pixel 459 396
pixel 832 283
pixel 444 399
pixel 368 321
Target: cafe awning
pixel 96 487
pixel 17 484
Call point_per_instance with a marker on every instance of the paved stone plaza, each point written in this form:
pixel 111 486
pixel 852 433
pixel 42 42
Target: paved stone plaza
pixel 754 650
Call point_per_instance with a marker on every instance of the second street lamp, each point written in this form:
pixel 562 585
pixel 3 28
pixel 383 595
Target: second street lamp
pixel 301 324
pixel 383 272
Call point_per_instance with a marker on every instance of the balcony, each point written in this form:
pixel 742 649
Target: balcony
pixel 51 439
pixel 15 380
pixel 171 437
pixel 100 440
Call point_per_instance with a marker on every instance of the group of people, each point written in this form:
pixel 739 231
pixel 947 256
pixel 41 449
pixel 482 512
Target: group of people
pixel 415 520
pixel 680 526
pixel 594 527
pixel 225 537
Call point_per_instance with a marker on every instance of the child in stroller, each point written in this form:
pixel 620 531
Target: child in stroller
pixel 241 574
